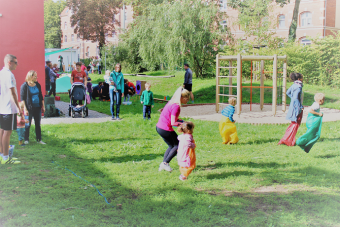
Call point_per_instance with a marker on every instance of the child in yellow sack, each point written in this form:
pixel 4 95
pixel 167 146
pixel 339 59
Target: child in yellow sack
pixel 227 124
pixel 186 156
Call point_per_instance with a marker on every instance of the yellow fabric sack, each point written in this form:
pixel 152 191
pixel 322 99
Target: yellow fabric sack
pixel 228 131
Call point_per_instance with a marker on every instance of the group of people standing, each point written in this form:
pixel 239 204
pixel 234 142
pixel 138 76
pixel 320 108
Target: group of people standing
pixel 14 113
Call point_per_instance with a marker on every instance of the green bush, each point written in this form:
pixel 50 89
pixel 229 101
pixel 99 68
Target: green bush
pixel 86 61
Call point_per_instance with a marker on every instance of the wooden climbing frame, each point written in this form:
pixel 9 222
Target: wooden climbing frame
pixel 239 59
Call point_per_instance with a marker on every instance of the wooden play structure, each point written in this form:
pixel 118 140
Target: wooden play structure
pixel 220 88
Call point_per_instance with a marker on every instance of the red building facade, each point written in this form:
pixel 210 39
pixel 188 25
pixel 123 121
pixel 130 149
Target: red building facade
pixel 22 34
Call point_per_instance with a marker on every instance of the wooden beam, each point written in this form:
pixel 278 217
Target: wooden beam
pixel 230 78
pixel 217 82
pixel 239 81
pixel 274 85
pixel 262 85
pixel 284 85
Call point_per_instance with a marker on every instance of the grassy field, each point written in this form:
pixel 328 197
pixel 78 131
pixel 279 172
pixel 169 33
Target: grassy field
pixel 253 183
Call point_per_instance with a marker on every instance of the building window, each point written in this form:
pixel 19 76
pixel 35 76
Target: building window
pixel 282 22
pixel 305 42
pixel 87 51
pixel 113 34
pixel 78 38
pixel 113 19
pixel 306 19
pixel 223 4
pixel 72 38
pixel 65 25
pixel 65 39
pixel 224 25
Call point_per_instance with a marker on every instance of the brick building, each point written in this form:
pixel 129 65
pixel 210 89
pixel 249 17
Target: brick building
pixel 88 48
pixel 317 18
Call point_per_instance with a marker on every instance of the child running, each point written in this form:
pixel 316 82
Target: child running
pixel 313 123
pixel 227 124
pixel 295 109
pixel 186 156
pixel 147 100
pixel 21 125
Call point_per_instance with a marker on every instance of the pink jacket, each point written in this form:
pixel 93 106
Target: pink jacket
pixel 186 141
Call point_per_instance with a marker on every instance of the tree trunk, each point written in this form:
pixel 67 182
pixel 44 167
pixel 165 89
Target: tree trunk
pixel 293 25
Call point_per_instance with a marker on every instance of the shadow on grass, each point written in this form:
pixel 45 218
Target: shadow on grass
pixel 229 174
pixel 328 156
pixel 129 158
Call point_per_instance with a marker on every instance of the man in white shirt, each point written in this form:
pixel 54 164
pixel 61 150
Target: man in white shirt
pixel 9 107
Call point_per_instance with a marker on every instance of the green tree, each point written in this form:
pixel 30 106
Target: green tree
pixel 177 31
pixel 293 24
pixel 52 24
pixel 140 7
pixel 93 19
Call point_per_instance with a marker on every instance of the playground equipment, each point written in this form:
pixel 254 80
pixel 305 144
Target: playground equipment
pixel 239 59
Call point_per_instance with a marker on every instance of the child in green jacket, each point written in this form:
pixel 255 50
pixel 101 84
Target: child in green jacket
pixel 147 100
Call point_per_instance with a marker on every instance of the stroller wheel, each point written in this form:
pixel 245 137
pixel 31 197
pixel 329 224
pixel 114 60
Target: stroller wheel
pixel 83 113
pixel 73 113
pixel 87 112
pixel 69 111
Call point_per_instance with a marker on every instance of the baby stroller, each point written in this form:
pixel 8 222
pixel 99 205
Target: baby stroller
pixel 78 93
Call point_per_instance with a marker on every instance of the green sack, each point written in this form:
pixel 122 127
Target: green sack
pixel 307 140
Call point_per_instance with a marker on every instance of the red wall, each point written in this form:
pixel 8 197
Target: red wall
pixel 22 34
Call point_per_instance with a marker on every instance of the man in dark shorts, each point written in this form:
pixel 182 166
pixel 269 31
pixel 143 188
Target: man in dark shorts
pixel 9 107
pixel 188 81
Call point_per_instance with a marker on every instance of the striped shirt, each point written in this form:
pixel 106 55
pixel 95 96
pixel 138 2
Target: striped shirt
pixel 229 112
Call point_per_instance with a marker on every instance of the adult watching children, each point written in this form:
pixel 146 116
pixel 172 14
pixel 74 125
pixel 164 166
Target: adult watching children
pixel 9 107
pixel 31 95
pixel 97 91
pixel 78 76
pixel 169 118
pixel 188 81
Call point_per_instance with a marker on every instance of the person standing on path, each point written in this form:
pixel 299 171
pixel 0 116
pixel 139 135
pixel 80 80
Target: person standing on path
pixel 169 118
pixel 47 77
pixel 118 81
pixel 9 107
pixel 78 76
pixel 31 95
pixel 188 81
pixel 53 78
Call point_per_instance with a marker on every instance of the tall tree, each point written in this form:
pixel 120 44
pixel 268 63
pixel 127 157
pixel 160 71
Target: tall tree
pixel 93 19
pixel 140 7
pixel 293 24
pixel 179 31
pixel 52 24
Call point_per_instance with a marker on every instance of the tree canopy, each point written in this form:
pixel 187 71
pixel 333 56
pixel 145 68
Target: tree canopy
pixel 52 24
pixel 177 32
pixel 93 19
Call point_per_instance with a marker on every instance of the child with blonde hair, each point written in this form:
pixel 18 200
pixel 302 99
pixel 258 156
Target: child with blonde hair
pixel 21 124
pixel 227 124
pixel 147 100
pixel 313 123
pixel 186 156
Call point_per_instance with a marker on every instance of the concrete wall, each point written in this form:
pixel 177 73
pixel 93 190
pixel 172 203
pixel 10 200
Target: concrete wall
pixel 22 34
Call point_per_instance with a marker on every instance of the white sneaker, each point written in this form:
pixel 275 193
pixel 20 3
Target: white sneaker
pixel 26 142
pixel 41 142
pixel 164 166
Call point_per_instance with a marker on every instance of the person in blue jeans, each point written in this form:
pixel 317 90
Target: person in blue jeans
pixel 31 95
pixel 116 97
pixel 147 100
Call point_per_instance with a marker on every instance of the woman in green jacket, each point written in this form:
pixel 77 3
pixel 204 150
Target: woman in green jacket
pixel 116 96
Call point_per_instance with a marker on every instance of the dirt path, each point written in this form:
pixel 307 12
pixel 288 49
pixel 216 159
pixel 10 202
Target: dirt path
pixel 256 116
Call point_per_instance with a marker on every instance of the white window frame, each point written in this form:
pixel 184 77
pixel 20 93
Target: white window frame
pixel 72 37
pixel 224 24
pixel 223 4
pixel 306 19
pixel 65 25
pixel 87 51
pixel 282 18
pixel 65 39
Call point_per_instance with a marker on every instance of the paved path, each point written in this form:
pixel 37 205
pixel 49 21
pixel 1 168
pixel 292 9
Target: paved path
pixel 256 116
pixel 94 116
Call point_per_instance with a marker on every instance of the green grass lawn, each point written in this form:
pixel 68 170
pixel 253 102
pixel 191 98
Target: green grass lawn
pixel 253 183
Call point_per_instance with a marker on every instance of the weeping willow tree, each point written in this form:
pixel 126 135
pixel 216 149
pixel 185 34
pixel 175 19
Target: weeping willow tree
pixel 179 31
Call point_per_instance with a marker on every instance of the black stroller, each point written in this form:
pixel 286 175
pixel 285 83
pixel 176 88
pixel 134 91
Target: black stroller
pixel 78 94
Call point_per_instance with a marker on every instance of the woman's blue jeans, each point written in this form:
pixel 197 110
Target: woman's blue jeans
pixel 115 98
